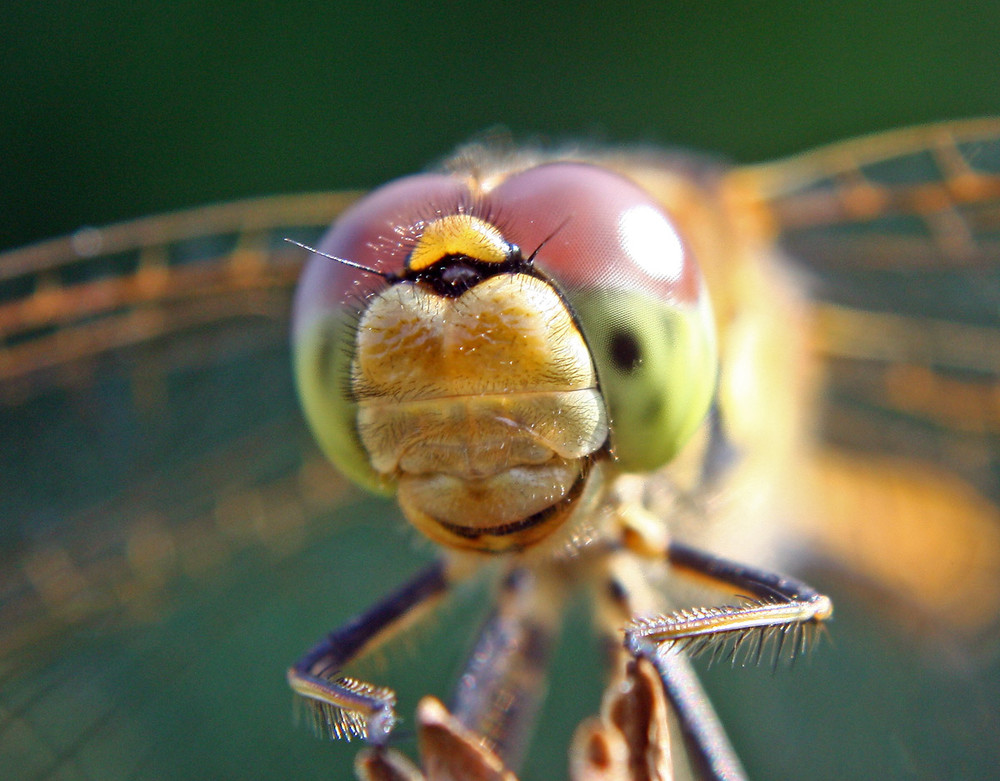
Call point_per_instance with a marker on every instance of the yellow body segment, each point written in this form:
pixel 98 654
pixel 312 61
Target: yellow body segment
pixel 458 234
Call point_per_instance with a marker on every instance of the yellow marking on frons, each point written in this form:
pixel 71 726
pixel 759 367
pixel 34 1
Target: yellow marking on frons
pixel 458 234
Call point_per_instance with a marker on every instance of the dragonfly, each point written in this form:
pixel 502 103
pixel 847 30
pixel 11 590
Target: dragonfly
pixel 168 514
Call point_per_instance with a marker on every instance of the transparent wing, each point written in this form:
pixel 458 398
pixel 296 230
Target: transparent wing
pixel 900 234
pixel 161 504
pixel 160 498
pixel 897 237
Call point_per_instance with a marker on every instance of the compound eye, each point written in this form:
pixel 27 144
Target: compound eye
pixel 638 294
pixel 379 232
pixel 625 351
pixel 596 229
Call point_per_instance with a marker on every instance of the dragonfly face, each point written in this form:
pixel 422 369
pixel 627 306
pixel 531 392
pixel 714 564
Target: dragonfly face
pixel 473 369
pixel 579 287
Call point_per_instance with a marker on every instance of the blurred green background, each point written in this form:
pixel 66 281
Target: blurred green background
pixel 111 110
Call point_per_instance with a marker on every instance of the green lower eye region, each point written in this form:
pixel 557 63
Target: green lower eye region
pixel 657 366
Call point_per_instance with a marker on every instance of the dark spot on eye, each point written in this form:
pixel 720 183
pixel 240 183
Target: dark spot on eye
pixel 625 351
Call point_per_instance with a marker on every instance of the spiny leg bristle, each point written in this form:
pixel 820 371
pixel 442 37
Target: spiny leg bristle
pixel 335 722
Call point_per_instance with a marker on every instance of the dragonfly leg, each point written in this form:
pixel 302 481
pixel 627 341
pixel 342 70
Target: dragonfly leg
pixel 708 748
pixel 344 707
pixel 774 606
pixel 633 730
pixel 501 689
pixel 497 697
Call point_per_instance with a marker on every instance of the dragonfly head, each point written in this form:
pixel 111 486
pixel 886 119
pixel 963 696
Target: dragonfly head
pixel 482 385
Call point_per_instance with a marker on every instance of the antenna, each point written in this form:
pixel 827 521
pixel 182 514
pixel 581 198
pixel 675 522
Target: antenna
pixel 385 275
pixel 546 240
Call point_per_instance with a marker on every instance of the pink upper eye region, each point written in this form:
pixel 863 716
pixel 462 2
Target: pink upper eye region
pixel 604 246
pixel 596 230
pixel 592 229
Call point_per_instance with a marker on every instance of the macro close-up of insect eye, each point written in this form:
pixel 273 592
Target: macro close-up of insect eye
pixel 648 450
